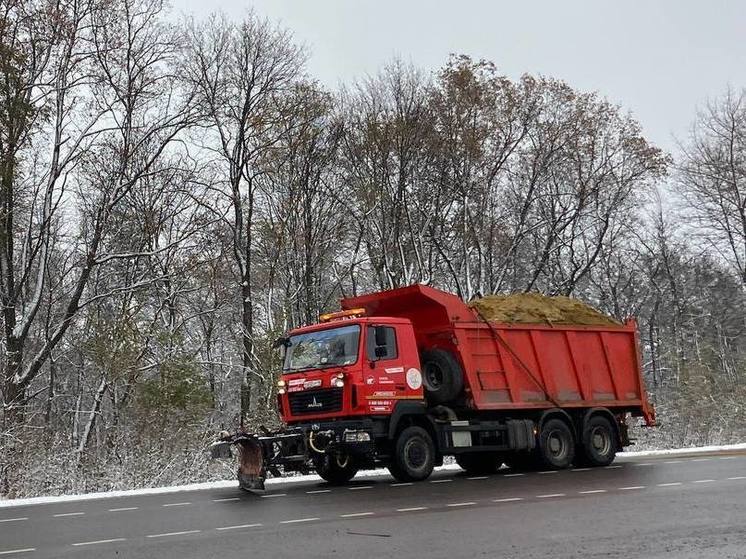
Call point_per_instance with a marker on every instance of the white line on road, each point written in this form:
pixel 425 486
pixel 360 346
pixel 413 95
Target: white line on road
pixel 644 464
pixel 8 552
pixel 317 491
pixel 274 495
pixel 737 477
pixel 411 509
pixel 669 484
pixel 467 504
pixel 441 481
pixel 360 487
pixel 100 541
pixel 673 462
pixel 173 534
pixel 549 472
pixel 176 504
pixel 507 500
pixel 727 457
pixel 69 514
pixel 580 470
pixel 514 475
pixel 550 495
pixel 238 527
pixel 703 481
pixel 592 491
pixel 631 487
pixel 122 509
pixel 474 478
pixel 356 514
pixel 701 459
pixel 402 484
pixel 226 499
pixel 295 521
pixel 14 519
pixel 611 467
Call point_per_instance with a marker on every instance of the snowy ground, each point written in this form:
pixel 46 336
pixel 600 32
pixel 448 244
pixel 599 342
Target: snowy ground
pixel 306 478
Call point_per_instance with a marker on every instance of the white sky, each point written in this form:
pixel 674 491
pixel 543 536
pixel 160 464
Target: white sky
pixel 658 59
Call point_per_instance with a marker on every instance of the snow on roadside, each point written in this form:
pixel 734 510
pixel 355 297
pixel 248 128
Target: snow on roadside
pixel 231 484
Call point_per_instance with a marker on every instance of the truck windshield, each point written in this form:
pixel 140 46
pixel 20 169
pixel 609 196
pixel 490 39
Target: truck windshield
pixel 324 348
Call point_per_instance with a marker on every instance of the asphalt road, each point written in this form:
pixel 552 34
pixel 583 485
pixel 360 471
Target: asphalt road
pixel 682 507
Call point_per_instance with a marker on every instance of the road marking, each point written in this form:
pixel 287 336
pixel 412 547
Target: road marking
pixel 402 484
pixel 176 504
pixel 727 457
pixel 507 500
pixel 548 472
pixel 295 521
pixel 737 477
pixel 441 481
pixel 701 459
pixel 580 470
pixel 14 519
pixel 514 475
pixel 669 484
pixel 644 464
pixel 239 526
pixel 226 499
pixel 274 495
pixel 356 514
pixel 100 541
pixel 467 504
pixel 122 509
pixel 703 481
pixel 317 491
pixel 359 487
pixel 631 487
pixel 17 551
pixel 411 509
pixel 611 467
pixel 550 495
pixel 673 462
pixel 474 478
pixel 69 514
pixel 592 491
pixel 173 534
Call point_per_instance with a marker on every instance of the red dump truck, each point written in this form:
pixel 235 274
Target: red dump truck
pixel 402 378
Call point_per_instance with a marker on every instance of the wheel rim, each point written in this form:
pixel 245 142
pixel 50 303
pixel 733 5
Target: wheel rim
pixel 601 440
pixel 557 444
pixel 434 376
pixel 415 454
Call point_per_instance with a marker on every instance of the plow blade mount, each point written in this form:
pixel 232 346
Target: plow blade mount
pixel 259 454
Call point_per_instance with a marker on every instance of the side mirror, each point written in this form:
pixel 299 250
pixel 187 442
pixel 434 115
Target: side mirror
pixel 380 336
pixel 282 341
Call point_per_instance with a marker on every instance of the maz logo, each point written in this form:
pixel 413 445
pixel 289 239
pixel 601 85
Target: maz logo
pixel 315 404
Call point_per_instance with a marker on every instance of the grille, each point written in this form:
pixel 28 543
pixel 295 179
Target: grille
pixel 316 401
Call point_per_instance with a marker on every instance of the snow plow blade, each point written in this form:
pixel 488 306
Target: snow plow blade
pixel 262 454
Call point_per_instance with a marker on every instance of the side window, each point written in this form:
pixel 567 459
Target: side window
pixel 382 338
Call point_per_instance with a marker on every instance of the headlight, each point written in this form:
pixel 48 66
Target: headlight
pixel 338 382
pixel 281 391
pixel 281 384
pixel 357 437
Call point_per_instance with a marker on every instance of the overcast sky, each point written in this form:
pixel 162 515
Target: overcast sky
pixel 658 59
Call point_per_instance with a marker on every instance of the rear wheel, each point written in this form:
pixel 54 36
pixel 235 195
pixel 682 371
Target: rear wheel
pixel 414 455
pixel 337 469
pixel 599 443
pixel 556 444
pixel 442 376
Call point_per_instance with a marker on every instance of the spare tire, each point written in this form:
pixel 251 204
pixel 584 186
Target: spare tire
pixel 442 376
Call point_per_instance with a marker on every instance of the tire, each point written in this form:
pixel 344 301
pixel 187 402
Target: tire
pixel 442 376
pixel 556 445
pixel 414 455
pixel 335 469
pixel 479 463
pixel 599 444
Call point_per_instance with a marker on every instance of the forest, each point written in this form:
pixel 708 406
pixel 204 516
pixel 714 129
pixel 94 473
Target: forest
pixel 177 193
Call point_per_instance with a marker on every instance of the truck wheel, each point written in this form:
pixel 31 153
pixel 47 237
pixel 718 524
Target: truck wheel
pixel 414 455
pixel 336 469
pixel 442 376
pixel 556 444
pixel 479 463
pixel 599 442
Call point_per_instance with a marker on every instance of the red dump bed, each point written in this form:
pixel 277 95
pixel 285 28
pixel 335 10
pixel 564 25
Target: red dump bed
pixel 522 366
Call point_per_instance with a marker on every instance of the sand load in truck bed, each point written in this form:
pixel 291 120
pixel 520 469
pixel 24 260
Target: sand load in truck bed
pixel 534 308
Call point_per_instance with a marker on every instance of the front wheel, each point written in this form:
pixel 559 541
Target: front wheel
pixel 337 469
pixel 414 455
